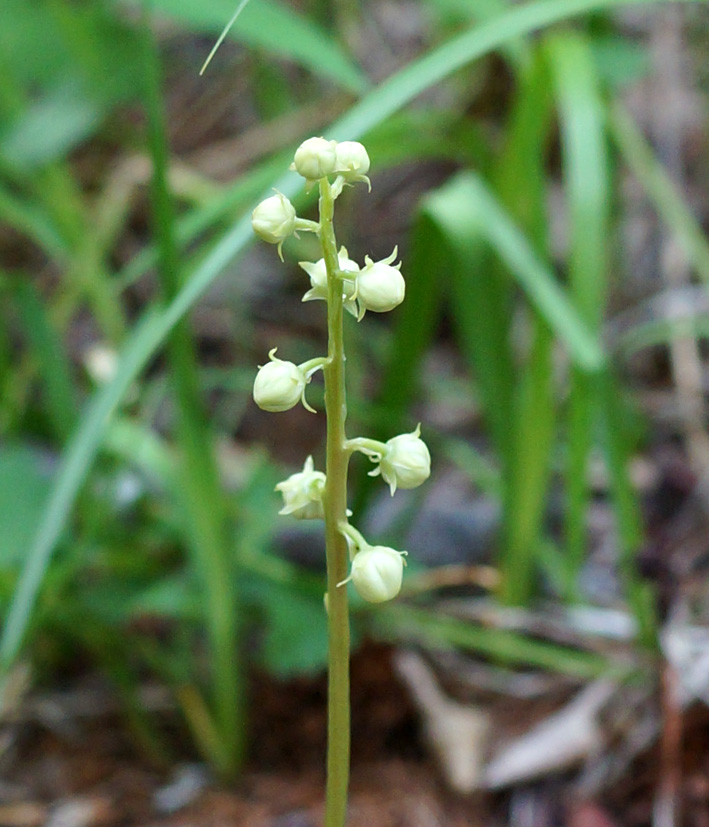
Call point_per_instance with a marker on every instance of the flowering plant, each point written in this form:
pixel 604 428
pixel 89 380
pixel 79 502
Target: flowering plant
pixel 403 461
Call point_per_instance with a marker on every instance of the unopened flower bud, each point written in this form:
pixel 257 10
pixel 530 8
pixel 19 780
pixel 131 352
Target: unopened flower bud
pixel 377 572
pixel 279 385
pixel 315 158
pixel 380 287
pixel 273 220
pixel 352 161
pixel 302 493
pixel 405 462
pixel 318 279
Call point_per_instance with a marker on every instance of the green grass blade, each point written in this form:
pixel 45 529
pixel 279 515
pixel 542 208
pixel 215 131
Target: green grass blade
pixel 54 366
pixel 526 493
pixel 585 168
pixel 473 464
pixel 518 52
pixel 415 324
pixel 661 190
pixel 407 623
pixel 641 594
pixel 78 457
pixel 461 50
pixel 479 307
pixel 205 503
pixel 150 333
pixel 466 205
pixel 29 219
pixel 273 26
pixel 692 324
pixel 521 185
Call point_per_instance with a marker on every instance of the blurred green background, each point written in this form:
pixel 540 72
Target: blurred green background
pixel 534 177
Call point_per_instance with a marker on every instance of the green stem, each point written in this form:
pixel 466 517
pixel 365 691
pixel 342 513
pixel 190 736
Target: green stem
pixel 204 501
pixel 338 724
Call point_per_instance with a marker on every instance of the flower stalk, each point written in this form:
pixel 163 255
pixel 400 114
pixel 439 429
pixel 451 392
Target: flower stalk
pixel 403 461
pixel 338 738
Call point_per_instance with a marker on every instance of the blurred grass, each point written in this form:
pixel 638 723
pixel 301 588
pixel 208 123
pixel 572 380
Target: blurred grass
pixel 524 315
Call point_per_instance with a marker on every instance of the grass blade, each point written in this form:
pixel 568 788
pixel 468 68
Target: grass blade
pixel 205 504
pixel 466 205
pixel 406 622
pixel 521 184
pixel 273 26
pixel 78 457
pixel 51 358
pixel 585 167
pixel 660 188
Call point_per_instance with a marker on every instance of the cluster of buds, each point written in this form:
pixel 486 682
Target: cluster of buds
pixel 378 286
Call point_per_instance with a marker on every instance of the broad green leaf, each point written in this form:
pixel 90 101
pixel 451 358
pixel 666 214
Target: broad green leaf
pixel 295 639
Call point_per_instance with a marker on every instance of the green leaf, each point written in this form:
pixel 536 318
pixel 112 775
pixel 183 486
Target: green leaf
pixel 586 186
pixel 54 365
pixel 522 187
pixel 25 481
pixel 295 638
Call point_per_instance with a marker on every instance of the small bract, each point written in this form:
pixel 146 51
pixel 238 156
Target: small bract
pixel 315 158
pixel 318 279
pixel 406 462
pixel 302 493
pixel 273 220
pixel 377 572
pixel 279 385
pixel 379 286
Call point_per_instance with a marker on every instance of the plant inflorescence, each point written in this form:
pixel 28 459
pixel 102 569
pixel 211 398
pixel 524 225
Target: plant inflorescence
pixel 403 461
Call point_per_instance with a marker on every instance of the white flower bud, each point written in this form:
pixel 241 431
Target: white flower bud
pixel 315 158
pixel 377 573
pixel 279 385
pixel 352 161
pixel 273 220
pixel 379 286
pixel 318 279
pixel 406 461
pixel 302 493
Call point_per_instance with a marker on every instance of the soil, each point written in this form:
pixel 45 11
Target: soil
pixel 87 772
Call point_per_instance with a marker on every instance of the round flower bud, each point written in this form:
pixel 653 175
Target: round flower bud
pixel 279 385
pixel 406 462
pixel 273 220
pixel 352 160
pixel 318 279
pixel 377 573
pixel 315 158
pixel 380 287
pixel 302 493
